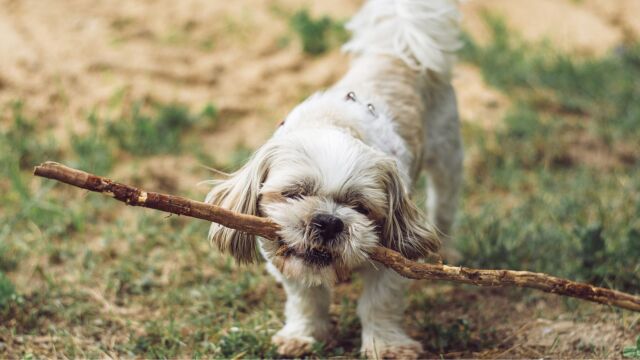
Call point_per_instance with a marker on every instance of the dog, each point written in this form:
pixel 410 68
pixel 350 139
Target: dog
pixel 338 172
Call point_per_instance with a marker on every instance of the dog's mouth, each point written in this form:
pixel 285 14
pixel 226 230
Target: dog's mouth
pixel 315 256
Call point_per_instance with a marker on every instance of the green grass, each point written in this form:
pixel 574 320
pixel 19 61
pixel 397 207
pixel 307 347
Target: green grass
pixel 535 188
pixel 22 143
pixel 92 150
pixel 51 224
pixel 603 90
pixel 317 34
pixel 7 291
pixel 141 133
pixel 632 351
pixel 556 188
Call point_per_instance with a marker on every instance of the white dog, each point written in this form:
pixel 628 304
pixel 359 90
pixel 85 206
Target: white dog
pixel 336 176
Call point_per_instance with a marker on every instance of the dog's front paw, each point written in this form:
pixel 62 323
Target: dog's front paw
pixel 406 350
pixel 293 346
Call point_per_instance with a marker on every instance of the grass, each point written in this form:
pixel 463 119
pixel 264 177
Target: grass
pixel 556 188
pixel 143 134
pixel 7 291
pixel 555 199
pixel 317 34
pixel 604 90
pixel 45 228
pixel 632 351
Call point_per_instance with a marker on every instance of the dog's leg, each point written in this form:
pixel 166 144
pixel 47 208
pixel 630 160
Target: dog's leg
pixel 381 310
pixel 443 162
pixel 306 316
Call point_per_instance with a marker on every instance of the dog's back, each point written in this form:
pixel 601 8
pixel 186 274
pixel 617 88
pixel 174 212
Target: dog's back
pixel 404 52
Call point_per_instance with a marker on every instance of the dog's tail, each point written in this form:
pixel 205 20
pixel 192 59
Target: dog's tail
pixel 425 34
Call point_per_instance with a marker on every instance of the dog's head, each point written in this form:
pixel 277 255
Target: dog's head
pixel 333 196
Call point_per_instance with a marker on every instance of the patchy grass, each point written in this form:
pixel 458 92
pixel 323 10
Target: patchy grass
pixel 23 143
pixel 632 351
pixel 317 34
pixel 142 134
pixel 7 291
pixel 556 189
pixel 92 150
pixel 561 176
pixel 603 91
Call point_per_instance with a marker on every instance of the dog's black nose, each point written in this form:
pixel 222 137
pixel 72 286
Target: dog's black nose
pixel 328 226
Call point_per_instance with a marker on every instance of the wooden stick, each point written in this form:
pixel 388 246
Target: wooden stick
pixel 168 203
pixel 267 229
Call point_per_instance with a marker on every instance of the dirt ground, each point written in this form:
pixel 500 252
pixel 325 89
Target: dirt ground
pixel 69 57
pixel 72 56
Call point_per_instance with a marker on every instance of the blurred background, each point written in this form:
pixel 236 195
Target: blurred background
pixel 154 92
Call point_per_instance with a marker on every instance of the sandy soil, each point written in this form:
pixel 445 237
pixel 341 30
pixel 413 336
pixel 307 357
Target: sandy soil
pixel 68 57
pixel 65 58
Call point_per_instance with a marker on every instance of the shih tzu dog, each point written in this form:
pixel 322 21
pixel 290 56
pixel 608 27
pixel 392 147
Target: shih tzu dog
pixel 337 176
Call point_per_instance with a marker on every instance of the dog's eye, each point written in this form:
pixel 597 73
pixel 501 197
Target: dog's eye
pixel 362 209
pixel 294 194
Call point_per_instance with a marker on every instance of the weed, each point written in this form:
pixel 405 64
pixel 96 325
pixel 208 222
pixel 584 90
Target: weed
pixel 317 35
pixel 210 112
pixel 238 342
pixel 445 338
pixel 159 341
pixel 632 351
pixel 22 145
pixel 8 261
pixel 7 290
pixel 142 134
pixel 93 151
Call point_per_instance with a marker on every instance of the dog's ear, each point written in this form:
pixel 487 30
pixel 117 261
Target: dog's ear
pixel 404 228
pixel 239 193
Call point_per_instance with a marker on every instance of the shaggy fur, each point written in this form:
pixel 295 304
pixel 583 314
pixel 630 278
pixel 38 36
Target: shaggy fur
pixel 336 176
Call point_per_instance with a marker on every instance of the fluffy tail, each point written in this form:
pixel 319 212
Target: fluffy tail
pixel 423 33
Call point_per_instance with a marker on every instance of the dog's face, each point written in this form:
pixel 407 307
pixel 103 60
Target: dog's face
pixel 334 197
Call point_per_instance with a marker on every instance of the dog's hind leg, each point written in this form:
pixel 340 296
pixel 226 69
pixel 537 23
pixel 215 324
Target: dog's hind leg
pixel 443 162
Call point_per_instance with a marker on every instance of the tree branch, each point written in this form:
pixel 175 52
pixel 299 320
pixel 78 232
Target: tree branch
pixel 267 229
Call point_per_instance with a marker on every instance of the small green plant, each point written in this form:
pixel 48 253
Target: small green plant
pixel 7 290
pixel 632 351
pixel 22 144
pixel 443 338
pixel 92 150
pixel 143 134
pixel 238 343
pixel 8 261
pixel 159 341
pixel 317 35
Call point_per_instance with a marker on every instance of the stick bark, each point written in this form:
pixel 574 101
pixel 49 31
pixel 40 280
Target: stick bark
pixel 267 229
